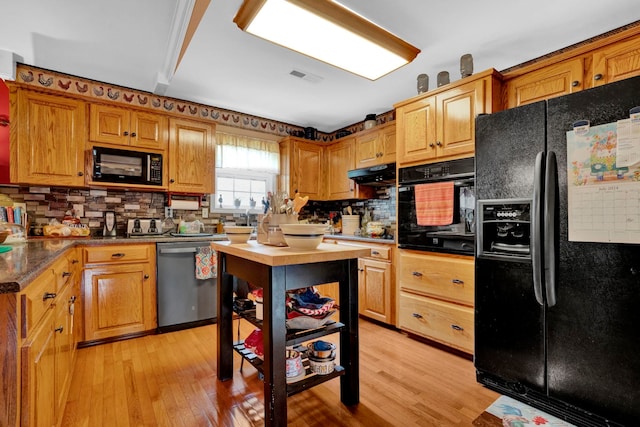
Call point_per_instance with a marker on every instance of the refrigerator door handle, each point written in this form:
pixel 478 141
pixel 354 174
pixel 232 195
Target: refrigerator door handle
pixel 550 196
pixel 536 249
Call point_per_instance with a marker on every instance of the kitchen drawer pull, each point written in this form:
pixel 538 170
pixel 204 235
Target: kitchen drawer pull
pixel 48 295
pixel 597 77
pixel 457 281
pixel 417 315
pixel 575 83
pixel 179 251
pixel 375 253
pixel 66 273
pixel 74 261
pixel 59 329
pixel 457 328
pixel 117 255
pixel 417 274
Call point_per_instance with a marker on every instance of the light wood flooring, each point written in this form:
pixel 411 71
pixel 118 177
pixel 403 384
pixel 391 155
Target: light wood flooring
pixel 170 380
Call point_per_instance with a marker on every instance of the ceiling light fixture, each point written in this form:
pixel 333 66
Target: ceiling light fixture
pixel 327 31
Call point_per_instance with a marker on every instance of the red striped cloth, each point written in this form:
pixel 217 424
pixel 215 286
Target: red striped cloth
pixel 434 203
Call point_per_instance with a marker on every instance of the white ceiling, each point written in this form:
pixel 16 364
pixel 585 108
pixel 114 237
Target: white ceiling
pixel 127 43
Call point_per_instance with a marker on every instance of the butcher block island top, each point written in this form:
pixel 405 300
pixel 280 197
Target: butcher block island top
pixel 277 270
pixel 283 255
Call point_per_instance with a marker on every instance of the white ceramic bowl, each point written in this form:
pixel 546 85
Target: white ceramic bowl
pixel 303 229
pixel 303 242
pixel 238 233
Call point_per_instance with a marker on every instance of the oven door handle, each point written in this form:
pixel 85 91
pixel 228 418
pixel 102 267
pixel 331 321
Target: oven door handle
pixel 178 251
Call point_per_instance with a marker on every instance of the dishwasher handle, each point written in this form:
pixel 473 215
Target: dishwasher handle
pixel 178 250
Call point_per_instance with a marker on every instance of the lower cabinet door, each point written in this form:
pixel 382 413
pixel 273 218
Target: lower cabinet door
pixel 445 322
pixel 38 388
pixel 119 300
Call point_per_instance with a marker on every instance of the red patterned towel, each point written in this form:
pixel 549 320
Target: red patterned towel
pixel 434 203
pixel 206 263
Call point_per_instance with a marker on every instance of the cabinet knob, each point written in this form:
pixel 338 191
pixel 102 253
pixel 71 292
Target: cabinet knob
pixel 146 276
pixel 416 274
pixel 575 83
pixel 172 180
pixel 126 133
pixel 72 299
pixel 48 295
pixel 417 315
pixel 80 173
pixel 66 273
pixel 457 328
pixel 117 255
pixel 438 143
pixel 431 144
pixel 457 281
pixel 361 270
pixel 59 329
pixel 598 77
pixel 133 134
pixel 74 261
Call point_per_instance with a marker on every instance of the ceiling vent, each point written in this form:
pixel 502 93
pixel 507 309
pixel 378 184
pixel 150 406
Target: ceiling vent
pixel 306 76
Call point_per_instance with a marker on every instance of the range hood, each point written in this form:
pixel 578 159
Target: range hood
pixel 379 175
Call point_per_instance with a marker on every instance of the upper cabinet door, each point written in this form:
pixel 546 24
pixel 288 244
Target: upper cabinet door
pixel 616 62
pixel 307 170
pixel 548 82
pixel 415 124
pixel 49 139
pixel 191 156
pixel 120 126
pixel 340 160
pixel 456 114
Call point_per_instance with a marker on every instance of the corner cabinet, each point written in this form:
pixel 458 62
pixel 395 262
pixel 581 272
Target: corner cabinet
pixel 119 290
pixel 441 124
pixel 47 139
pixel 125 127
pixel 302 167
pixel 191 156
pixel 436 297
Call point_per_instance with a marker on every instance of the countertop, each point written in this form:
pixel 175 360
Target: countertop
pixel 26 261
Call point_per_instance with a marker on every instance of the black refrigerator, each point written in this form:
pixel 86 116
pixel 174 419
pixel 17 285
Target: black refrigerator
pixel 557 321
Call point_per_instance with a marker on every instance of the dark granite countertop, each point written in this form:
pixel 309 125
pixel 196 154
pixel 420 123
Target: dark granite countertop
pixel 26 261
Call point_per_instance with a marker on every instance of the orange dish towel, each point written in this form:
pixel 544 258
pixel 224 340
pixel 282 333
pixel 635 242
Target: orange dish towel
pixel 206 263
pixel 434 203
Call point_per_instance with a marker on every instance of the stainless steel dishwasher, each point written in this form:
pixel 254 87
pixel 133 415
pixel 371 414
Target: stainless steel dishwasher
pixel 183 300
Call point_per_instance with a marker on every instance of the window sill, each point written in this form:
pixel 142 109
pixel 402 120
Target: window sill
pixel 240 211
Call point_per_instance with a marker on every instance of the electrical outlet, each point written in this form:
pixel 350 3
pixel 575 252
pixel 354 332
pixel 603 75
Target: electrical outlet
pixel 168 212
pixel 205 212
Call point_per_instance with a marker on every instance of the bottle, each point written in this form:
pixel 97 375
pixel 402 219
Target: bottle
pixel 220 226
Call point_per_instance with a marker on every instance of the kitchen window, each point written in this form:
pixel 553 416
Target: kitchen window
pixel 246 169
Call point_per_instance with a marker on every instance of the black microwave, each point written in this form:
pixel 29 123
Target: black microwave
pixel 112 165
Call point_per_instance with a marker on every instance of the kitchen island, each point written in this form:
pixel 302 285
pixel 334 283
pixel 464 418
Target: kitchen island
pixel 277 270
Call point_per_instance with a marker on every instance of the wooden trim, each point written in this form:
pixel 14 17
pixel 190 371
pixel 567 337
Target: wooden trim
pixel 199 8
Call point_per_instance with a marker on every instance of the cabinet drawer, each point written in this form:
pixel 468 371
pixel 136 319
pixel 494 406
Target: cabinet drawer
pixel 380 253
pixel 443 276
pixel 36 300
pixel 61 272
pixel 440 321
pixel 117 254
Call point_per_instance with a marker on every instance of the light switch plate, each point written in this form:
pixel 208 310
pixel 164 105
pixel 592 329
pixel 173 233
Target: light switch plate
pixel 168 212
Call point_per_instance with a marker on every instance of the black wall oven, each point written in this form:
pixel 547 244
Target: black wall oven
pixel 456 237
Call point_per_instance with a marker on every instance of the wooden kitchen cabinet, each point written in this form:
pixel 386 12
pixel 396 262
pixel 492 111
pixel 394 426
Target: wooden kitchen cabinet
pixel 340 159
pixel 440 124
pixel 436 297
pixel 376 146
pixel 601 61
pixel 191 156
pixel 119 290
pixel 47 138
pixel 559 79
pixel 302 168
pixel 128 128
pixel 376 284
pixel 48 346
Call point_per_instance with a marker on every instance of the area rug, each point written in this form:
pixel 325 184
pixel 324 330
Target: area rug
pixel 508 412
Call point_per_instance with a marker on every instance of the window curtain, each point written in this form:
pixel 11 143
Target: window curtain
pixel 242 152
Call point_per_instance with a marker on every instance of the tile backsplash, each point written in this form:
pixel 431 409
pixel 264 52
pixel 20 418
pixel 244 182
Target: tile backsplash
pixel 44 204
